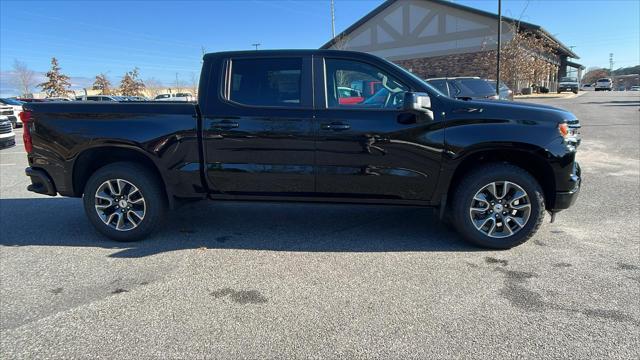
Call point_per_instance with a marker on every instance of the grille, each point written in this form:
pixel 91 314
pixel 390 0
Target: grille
pixel 6 112
pixel 5 127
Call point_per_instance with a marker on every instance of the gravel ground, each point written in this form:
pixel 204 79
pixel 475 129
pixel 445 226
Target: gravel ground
pixel 242 280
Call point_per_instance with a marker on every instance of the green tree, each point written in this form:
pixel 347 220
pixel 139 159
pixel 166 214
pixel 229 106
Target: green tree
pixel 131 85
pixel 57 84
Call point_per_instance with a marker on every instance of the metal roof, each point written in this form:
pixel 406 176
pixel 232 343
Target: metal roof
pixel 523 24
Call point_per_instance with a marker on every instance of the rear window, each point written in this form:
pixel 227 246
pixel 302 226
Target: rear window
pixel 266 82
pixel 183 95
pixel 163 96
pixel 603 80
pixel 470 87
pixel 568 79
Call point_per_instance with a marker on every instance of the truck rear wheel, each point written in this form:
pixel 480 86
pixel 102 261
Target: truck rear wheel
pixel 498 206
pixel 124 201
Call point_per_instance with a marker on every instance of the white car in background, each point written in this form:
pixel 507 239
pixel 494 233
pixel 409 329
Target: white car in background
pixel 175 97
pixel 15 107
pixel 7 136
pixel 604 84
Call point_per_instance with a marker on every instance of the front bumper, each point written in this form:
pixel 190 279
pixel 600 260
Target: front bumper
pixel 7 140
pixel 567 88
pixel 41 183
pixel 565 199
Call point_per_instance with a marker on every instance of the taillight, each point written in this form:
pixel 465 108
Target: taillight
pixel 25 116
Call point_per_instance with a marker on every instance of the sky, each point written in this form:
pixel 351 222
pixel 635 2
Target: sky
pixel 165 39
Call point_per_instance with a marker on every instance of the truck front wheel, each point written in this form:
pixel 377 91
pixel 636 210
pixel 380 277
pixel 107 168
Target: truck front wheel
pixel 124 201
pixel 498 206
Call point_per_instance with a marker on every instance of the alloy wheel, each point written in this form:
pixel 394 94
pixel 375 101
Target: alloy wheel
pixel 120 204
pixel 500 209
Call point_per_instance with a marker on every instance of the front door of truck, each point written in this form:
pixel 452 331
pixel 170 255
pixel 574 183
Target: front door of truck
pixel 258 138
pixel 372 149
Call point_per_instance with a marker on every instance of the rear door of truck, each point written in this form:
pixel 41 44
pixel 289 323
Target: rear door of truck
pixel 257 126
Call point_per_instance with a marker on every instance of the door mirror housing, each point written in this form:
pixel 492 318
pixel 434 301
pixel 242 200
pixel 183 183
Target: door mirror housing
pixel 417 101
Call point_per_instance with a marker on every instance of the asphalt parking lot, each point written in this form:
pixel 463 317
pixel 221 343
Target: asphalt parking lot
pixel 241 280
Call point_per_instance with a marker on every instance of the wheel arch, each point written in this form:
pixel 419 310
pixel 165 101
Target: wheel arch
pixel 528 157
pixel 92 159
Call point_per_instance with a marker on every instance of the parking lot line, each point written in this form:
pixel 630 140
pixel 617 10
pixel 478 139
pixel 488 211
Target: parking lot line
pixel 7 164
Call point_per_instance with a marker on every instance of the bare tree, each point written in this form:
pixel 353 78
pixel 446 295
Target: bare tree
pixel 153 87
pixel 193 85
pixel 103 84
pixel 57 83
pixel 23 78
pixel 527 59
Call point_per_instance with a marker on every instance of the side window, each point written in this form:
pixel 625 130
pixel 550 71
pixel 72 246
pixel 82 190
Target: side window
pixel 266 82
pixel 354 84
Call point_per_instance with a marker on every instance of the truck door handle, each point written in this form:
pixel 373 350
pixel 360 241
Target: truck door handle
pixel 335 126
pixel 226 124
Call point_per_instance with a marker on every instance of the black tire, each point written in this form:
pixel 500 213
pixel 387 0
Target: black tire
pixel 149 187
pixel 479 178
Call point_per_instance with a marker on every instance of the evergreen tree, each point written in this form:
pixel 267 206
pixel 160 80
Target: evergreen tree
pixel 131 85
pixel 58 83
pixel 103 84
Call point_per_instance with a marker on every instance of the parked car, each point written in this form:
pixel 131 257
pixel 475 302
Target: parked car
pixel 111 98
pixel 348 96
pixel 175 97
pixel 58 99
pixel 587 87
pixel 568 84
pixel 505 92
pixel 7 136
pixel 136 98
pixel 604 84
pixel 367 87
pixel 266 128
pixel 464 88
pixel 634 88
pixel 16 108
pixel 29 100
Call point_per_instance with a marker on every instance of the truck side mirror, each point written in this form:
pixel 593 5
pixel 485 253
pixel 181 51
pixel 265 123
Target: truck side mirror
pixel 417 101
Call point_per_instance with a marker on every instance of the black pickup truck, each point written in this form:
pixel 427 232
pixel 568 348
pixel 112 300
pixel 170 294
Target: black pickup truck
pixel 289 125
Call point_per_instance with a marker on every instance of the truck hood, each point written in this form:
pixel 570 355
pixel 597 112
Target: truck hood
pixel 514 110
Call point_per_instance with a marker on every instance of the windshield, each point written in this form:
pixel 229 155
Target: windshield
pixel 470 88
pixel 163 96
pixel 11 102
pixel 568 79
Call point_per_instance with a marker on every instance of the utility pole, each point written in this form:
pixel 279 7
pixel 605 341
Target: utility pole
pixel 333 21
pixel 256 45
pixel 499 46
pixel 610 63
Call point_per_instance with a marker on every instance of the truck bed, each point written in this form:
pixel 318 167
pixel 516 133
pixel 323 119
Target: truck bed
pixel 165 133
